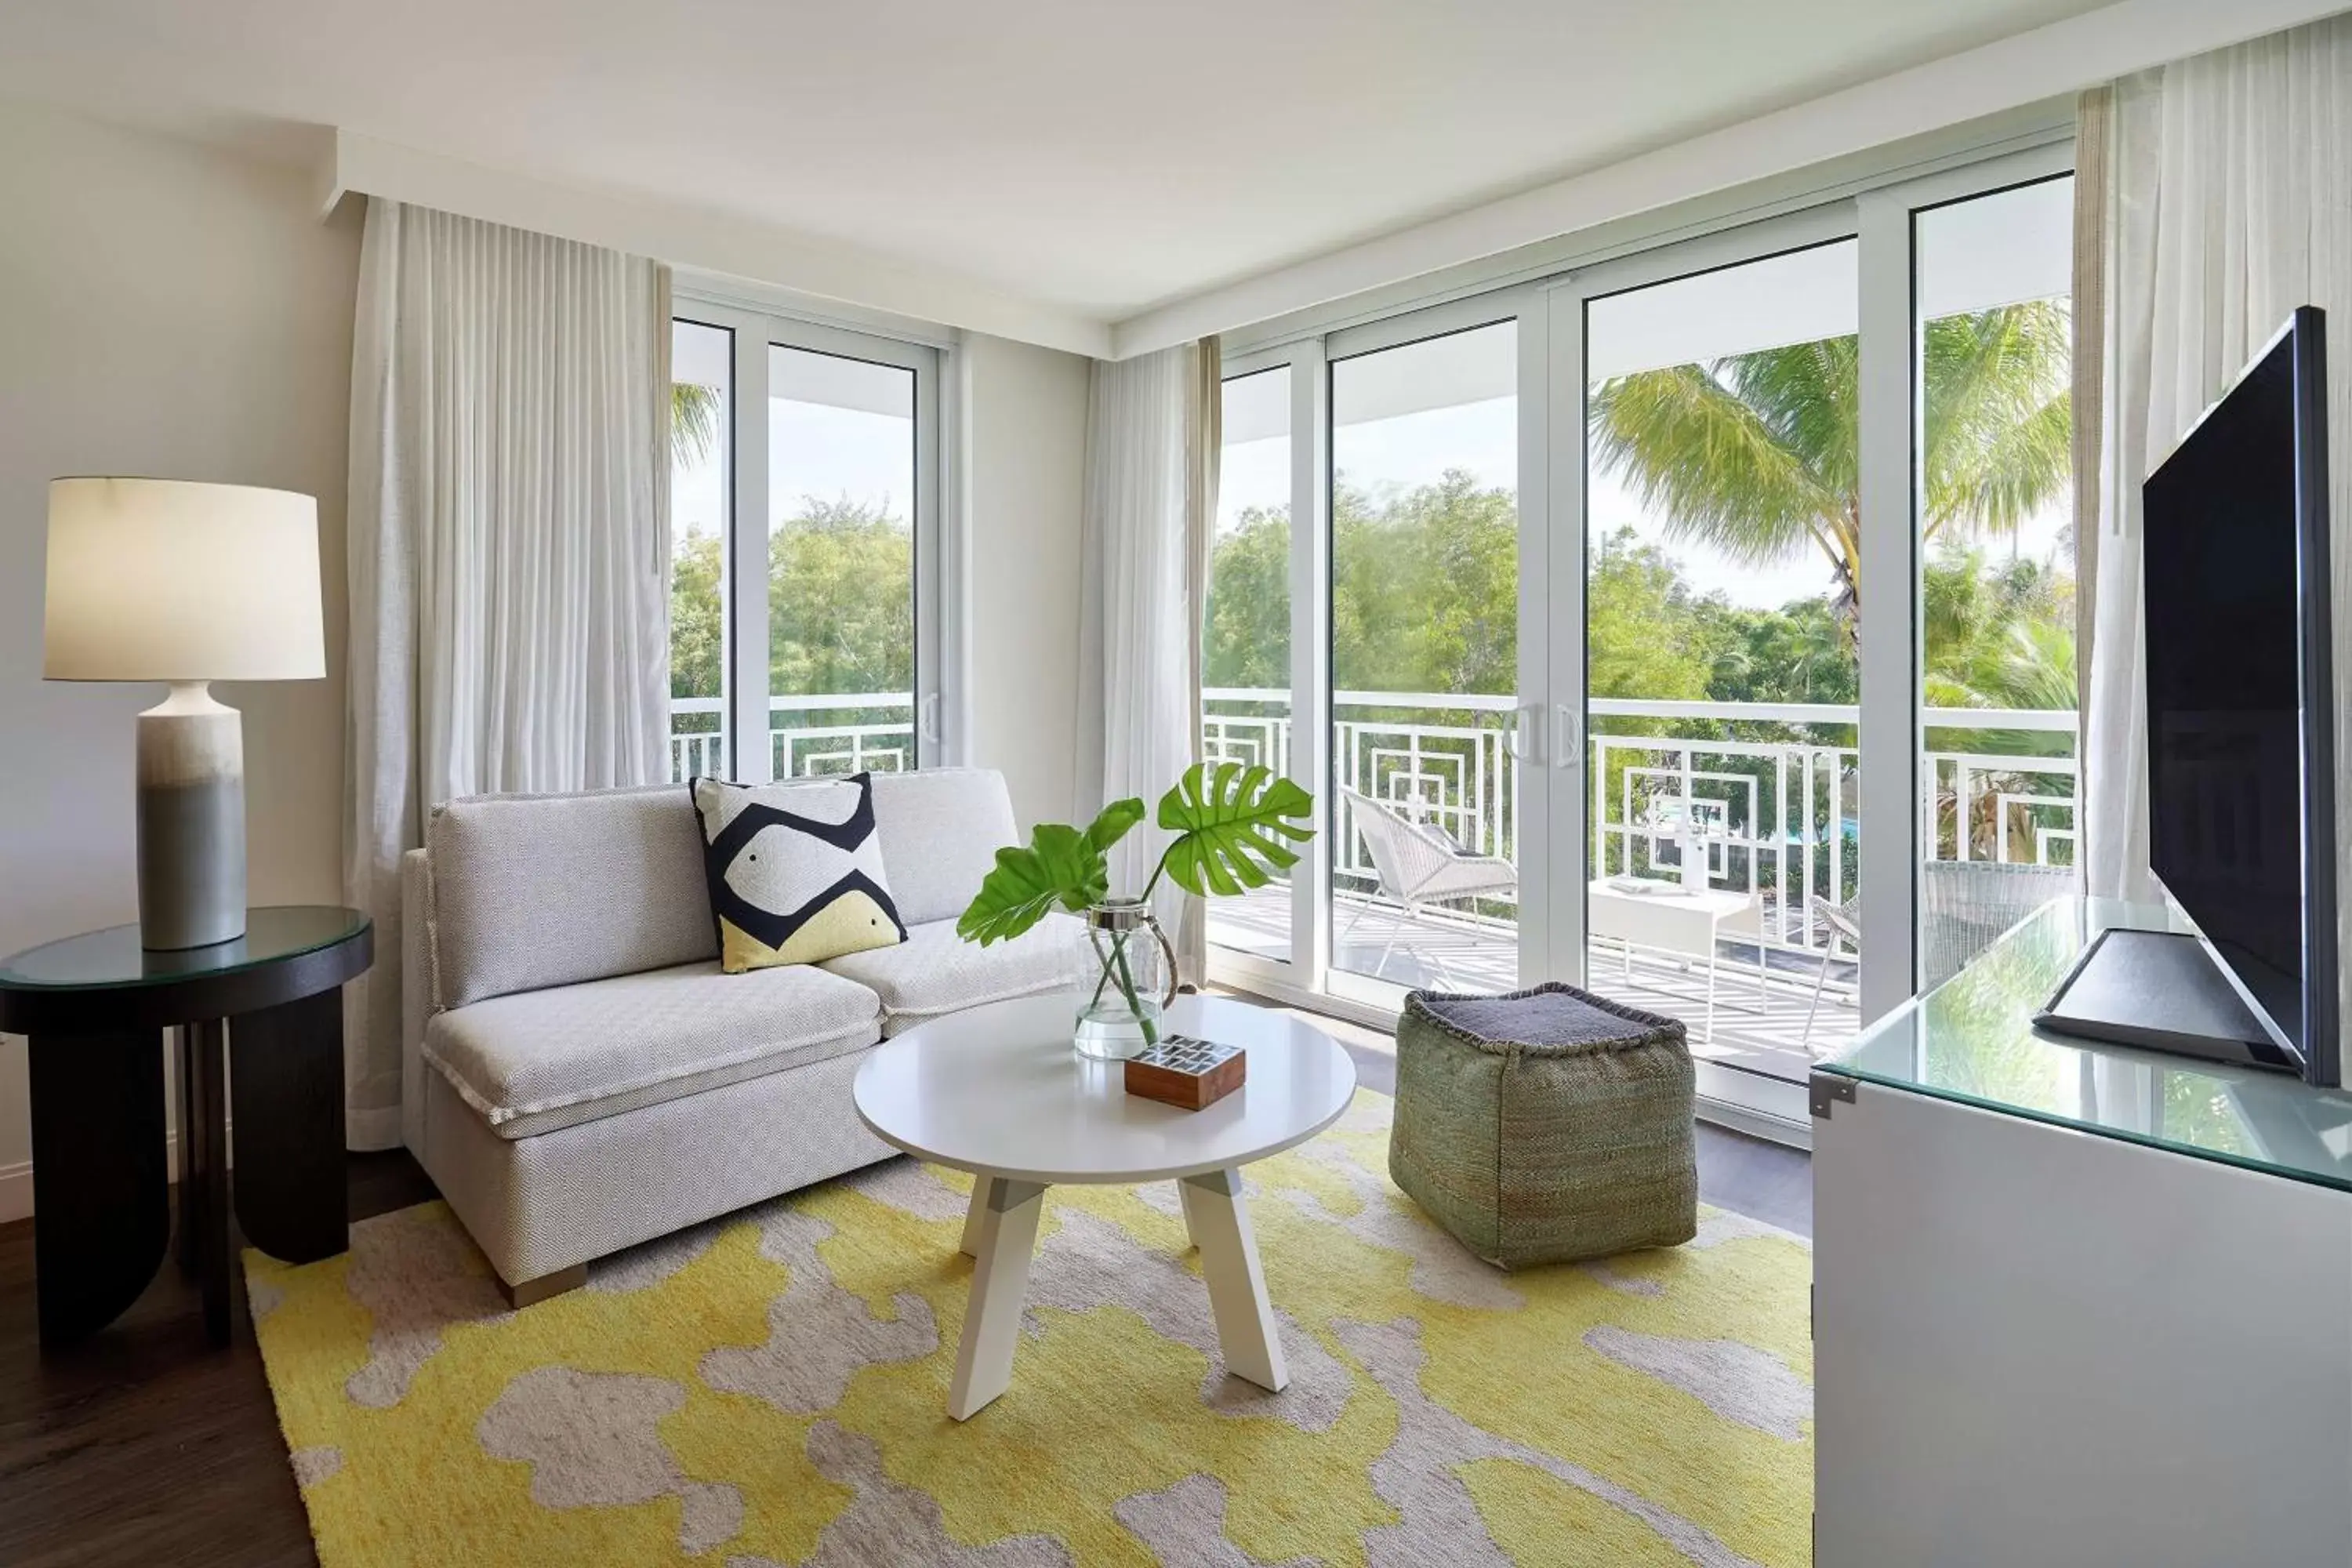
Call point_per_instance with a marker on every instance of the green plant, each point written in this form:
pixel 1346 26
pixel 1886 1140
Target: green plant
pixel 1234 826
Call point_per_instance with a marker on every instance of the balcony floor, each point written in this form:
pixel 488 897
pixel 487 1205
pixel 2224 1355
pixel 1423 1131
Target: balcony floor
pixel 1759 1024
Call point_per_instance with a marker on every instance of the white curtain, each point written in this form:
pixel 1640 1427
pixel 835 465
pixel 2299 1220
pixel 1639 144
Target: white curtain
pixel 2228 202
pixel 508 553
pixel 1150 503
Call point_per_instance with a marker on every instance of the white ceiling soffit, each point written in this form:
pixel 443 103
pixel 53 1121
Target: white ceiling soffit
pixel 707 241
pixel 2046 62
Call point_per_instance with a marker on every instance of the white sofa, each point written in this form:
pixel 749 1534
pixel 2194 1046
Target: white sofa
pixel 579 1075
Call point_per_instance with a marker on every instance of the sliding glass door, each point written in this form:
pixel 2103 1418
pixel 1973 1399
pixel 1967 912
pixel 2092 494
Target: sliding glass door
pixel 1607 601
pixel 803 497
pixel 1245 714
pixel 1425 543
pixel 1724 570
pixel 1994 369
pixel 701 509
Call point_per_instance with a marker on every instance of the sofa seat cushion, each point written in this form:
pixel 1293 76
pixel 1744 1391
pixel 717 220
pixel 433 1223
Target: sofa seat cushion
pixel 934 971
pixel 537 1060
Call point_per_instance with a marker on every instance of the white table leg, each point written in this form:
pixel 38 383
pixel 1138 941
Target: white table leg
pixel 1184 1199
pixel 972 1218
pixel 1007 1214
pixel 1219 1221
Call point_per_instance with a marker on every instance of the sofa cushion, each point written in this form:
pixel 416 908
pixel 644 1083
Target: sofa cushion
pixel 539 891
pixel 941 829
pixel 542 1059
pixel 934 971
pixel 794 871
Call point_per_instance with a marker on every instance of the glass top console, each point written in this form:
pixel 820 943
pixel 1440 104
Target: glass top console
pixel 1973 1040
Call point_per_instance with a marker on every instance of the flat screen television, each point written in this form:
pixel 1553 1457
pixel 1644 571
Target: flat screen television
pixel 2241 798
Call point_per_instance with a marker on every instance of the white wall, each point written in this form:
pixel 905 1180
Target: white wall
pixel 165 309
pixel 1028 435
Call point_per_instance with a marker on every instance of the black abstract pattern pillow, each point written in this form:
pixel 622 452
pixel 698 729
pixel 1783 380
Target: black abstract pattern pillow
pixel 794 871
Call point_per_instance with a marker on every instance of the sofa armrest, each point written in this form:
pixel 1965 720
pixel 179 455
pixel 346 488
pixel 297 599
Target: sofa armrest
pixel 419 986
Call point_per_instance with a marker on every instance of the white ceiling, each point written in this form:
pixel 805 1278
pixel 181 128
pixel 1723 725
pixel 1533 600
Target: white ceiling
pixel 1102 156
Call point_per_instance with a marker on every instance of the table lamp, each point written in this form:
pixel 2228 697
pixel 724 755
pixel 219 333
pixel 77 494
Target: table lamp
pixel 189 583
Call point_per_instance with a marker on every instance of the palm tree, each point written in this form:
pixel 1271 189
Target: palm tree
pixel 694 411
pixel 1999 637
pixel 1757 456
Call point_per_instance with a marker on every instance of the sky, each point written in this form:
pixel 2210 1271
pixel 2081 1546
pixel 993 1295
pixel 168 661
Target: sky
pixel 844 429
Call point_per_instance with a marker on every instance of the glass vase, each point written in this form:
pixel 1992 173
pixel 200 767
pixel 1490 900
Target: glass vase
pixel 1129 984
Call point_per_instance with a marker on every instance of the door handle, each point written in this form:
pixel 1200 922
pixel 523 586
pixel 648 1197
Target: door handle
pixel 927 722
pixel 1568 738
pixel 1526 719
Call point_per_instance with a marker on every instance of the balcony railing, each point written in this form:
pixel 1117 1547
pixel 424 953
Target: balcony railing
pixel 807 736
pixel 1768 792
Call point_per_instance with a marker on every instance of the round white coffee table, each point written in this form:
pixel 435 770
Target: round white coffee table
pixel 998 1092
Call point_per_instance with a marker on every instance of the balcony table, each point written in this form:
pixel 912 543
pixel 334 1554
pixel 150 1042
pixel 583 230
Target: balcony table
pixel 1676 920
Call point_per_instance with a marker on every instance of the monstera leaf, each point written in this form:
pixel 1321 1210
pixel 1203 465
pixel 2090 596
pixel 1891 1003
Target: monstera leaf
pixel 1232 821
pixel 1060 866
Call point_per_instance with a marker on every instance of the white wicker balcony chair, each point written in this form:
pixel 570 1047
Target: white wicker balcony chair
pixel 1417 864
pixel 1844 923
pixel 1965 904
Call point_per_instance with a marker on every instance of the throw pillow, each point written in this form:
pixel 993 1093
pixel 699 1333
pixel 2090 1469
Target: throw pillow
pixel 794 871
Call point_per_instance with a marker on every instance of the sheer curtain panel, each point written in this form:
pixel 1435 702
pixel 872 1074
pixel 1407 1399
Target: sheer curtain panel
pixel 1150 501
pixel 508 571
pixel 2227 203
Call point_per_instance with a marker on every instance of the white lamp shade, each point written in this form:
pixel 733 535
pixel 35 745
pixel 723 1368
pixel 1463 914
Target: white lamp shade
pixel 168 580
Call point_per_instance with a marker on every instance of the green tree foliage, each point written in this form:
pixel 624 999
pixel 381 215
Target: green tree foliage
pixel 1425 586
pixel 841 600
pixel 1648 636
pixel 1246 640
pixel 840 603
pixel 1753 459
pixel 2000 635
pixel 1757 457
pixel 697 638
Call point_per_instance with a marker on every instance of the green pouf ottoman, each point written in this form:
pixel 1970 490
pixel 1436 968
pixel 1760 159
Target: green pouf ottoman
pixel 1544 1125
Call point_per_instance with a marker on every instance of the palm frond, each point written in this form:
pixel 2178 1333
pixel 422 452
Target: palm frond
pixel 694 411
pixel 1690 445
pixel 1998 417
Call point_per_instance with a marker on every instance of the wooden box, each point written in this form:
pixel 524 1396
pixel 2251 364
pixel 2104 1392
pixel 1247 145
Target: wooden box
pixel 1187 1072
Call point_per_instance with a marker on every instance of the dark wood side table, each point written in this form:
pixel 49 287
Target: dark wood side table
pixel 260 1017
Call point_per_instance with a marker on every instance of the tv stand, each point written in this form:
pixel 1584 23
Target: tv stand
pixel 2160 991
pixel 2076 1303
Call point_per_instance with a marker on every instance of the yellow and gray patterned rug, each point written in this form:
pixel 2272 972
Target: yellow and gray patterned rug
pixel 772 1388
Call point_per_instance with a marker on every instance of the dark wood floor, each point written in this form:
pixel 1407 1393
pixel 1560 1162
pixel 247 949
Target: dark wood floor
pixel 145 1445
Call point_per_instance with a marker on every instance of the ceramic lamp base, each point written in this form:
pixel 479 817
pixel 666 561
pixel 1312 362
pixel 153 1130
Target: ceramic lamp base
pixel 191 821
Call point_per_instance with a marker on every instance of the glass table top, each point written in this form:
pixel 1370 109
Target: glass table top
pixel 1973 1040
pixel 112 958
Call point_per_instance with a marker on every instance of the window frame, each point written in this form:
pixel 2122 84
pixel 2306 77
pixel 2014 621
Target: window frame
pixel 935 730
